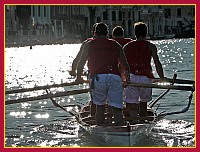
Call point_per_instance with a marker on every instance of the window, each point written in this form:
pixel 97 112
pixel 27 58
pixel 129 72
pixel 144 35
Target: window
pixel 129 14
pixel 38 10
pixel 178 12
pixel 167 13
pixel 123 14
pixel 105 16
pixel 33 10
pixel 44 11
pixel 120 15
pixel 113 16
pixel 133 15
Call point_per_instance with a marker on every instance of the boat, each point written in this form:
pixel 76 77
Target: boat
pixel 125 135
pixel 170 36
pixel 161 37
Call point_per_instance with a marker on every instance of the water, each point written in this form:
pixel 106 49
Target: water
pixel 40 123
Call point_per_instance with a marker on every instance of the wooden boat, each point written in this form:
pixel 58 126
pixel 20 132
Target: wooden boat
pixel 125 135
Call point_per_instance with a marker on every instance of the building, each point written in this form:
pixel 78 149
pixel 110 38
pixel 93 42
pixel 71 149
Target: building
pixel 180 20
pixel 75 21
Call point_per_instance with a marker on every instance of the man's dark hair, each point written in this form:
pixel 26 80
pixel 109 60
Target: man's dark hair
pixel 118 31
pixel 140 29
pixel 101 29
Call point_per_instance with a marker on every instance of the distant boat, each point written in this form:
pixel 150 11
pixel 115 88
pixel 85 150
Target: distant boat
pixel 157 37
pixel 170 36
pixel 161 37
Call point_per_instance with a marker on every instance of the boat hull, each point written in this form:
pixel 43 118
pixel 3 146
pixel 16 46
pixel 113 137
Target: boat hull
pixel 119 136
pixel 115 136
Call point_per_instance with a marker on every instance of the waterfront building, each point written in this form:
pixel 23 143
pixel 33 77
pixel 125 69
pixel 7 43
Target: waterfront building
pixel 52 22
pixel 180 20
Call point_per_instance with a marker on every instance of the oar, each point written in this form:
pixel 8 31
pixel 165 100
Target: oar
pixel 57 105
pixel 54 102
pixel 61 107
pixel 162 115
pixel 163 93
pixel 173 87
pixel 41 97
pixel 44 87
pixel 179 81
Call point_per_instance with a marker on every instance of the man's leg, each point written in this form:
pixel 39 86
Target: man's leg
pixel 92 109
pixel 118 116
pixel 100 117
pixel 109 114
pixel 143 108
pixel 133 110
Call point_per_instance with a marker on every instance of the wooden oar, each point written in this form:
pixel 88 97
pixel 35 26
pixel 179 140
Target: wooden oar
pixel 54 102
pixel 179 81
pixel 163 93
pixel 57 105
pixel 46 96
pixel 173 87
pixel 61 107
pixel 44 87
pixel 162 115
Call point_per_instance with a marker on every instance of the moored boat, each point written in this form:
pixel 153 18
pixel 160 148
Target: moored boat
pixel 170 36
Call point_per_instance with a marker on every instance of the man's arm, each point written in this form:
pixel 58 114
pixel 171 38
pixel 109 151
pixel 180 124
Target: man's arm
pixel 124 64
pixel 157 62
pixel 75 61
pixel 82 61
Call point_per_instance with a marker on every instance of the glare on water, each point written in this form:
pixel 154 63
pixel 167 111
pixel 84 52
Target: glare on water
pixel 40 66
pixel 40 123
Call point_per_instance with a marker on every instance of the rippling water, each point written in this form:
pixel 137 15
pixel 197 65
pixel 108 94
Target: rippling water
pixel 40 123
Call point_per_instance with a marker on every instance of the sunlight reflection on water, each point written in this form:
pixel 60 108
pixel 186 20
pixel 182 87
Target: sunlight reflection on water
pixel 39 123
pixel 39 66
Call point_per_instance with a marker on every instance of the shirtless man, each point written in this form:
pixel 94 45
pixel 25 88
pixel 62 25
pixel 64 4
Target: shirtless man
pixel 104 56
pixel 139 54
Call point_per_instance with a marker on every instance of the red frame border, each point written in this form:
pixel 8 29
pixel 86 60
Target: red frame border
pixel 103 2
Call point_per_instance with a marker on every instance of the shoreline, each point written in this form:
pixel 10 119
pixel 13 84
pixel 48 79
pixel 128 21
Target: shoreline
pixel 24 41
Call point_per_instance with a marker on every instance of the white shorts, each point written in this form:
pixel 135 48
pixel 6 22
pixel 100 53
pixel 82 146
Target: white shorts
pixel 138 94
pixel 108 88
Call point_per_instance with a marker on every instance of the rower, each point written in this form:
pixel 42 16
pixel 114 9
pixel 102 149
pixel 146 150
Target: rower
pixel 139 54
pixel 104 56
